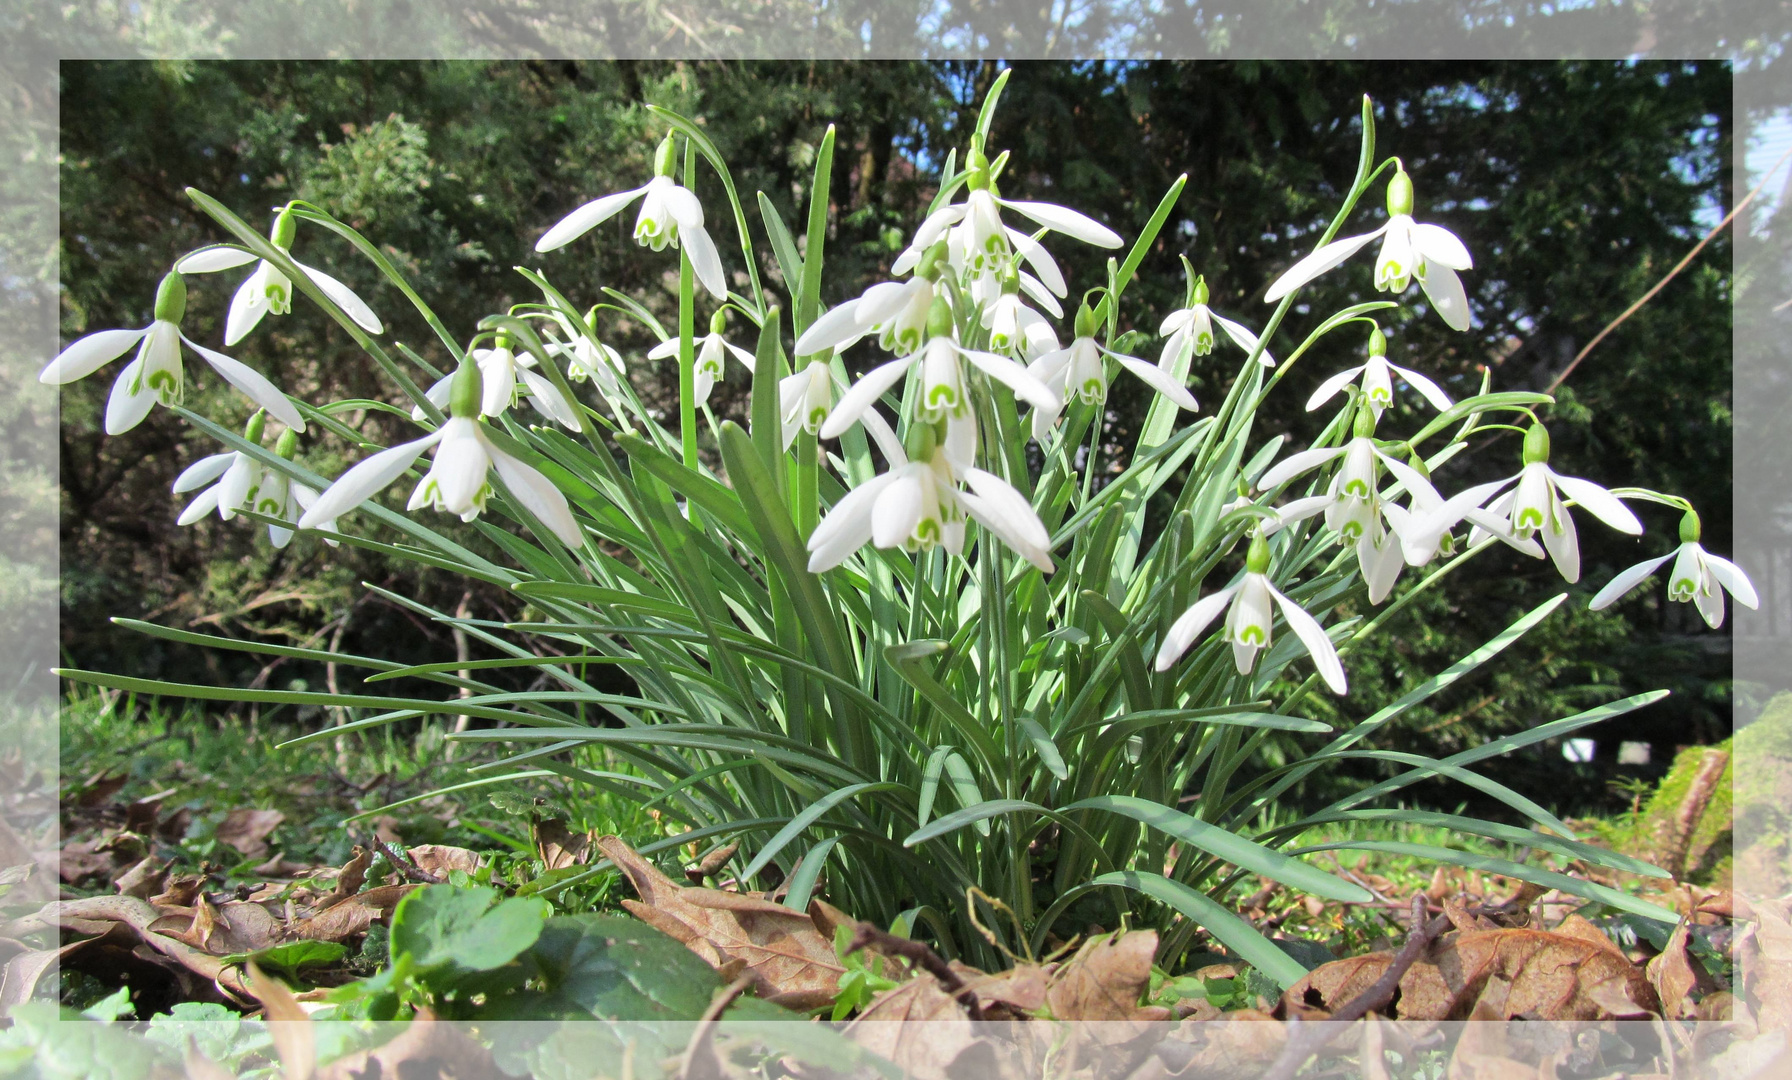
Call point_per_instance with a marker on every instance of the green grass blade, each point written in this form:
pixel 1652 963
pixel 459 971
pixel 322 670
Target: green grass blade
pixel 1245 941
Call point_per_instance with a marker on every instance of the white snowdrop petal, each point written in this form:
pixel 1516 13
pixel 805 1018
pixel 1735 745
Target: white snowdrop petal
pixel 1312 635
pixel 1159 380
pixel 1295 464
pixel 582 220
pixel 706 262
pixel 1625 581
pixel 537 494
pixel 1439 245
pixel 1015 377
pixel 1005 500
pixel 253 385
pixel 1244 339
pixel 1318 263
pixel 1563 546
pixel 1330 387
pixel 1731 577
pixel 366 479
pixel 1444 289
pixel 885 437
pixel 203 472
pixel 549 401
pixel 896 512
pixel 352 306
pixel 1599 502
pixel 1190 625
pixel 88 355
pixel 199 507
pixel 1040 260
pixel 247 306
pixel 863 394
pixel 212 259
pixel 1040 294
pixel 1427 389
pixel 130 400
pixel 1069 222
pixel 833 327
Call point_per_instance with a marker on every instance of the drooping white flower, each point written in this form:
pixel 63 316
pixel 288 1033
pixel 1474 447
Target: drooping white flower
pixel 456 481
pixel 156 374
pixel 1431 254
pixel 1077 370
pixel 1537 506
pixel 896 311
pixel 1378 382
pixel 804 399
pixel 268 291
pixel 918 503
pixel 229 479
pixel 1249 604
pixel 1698 576
pixel 944 390
pixel 670 215
pixel 501 368
pixel 586 359
pixel 713 350
pixel 1191 328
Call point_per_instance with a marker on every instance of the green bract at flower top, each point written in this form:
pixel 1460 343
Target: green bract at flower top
pixel 456 481
pixel 1430 254
pixel 670 215
pixel 268 291
pixel 156 374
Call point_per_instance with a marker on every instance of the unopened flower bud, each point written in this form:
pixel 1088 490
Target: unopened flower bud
pixel 252 430
pixel 920 441
pixel 1197 290
pixel 1365 421
pixel 288 444
pixel 939 318
pixel 1010 280
pixel 933 261
pixel 1085 322
pixel 171 298
pixel 719 321
pixel 1378 342
pixel 1689 528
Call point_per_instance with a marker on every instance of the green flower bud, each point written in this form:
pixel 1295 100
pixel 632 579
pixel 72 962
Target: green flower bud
pixel 591 318
pixel 665 157
pixel 252 430
pixel 719 321
pixel 285 228
pixel 1417 461
pixel 1378 342
pixel 1689 528
pixel 171 298
pixel 1536 445
pixel 1086 326
pixel 939 318
pixel 934 261
pixel 1400 192
pixel 1256 558
pixel 1010 280
pixel 466 391
pixel 1197 292
pixel 288 444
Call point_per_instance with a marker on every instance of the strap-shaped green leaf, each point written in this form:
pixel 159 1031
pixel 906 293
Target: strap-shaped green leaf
pixel 1511 834
pixel 1228 846
pixel 1245 940
pixel 811 814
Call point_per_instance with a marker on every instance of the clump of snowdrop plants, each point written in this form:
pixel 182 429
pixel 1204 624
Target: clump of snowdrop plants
pixel 886 630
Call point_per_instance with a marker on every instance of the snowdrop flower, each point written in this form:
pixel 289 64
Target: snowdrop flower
pixel 1409 250
pixel 232 476
pixel 1378 382
pixel 944 392
pixel 586 359
pixel 280 497
pixel 670 215
pixel 1250 604
pixel 983 247
pixel 156 373
pixel 1698 576
pixel 1014 328
pixel 1537 506
pixel 918 504
pixel 268 291
pixel 501 367
pixel 804 399
pixel 896 311
pixel 456 481
pixel 1191 327
pixel 1353 505
pixel 712 355
pixel 1077 370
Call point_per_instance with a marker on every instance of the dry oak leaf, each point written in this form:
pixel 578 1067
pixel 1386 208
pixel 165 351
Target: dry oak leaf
pixel 425 1047
pixel 349 879
pixel 1551 976
pixel 918 1026
pixel 139 915
pixel 246 829
pixel 439 859
pixel 792 964
pixel 559 847
pixel 341 921
pixel 1674 976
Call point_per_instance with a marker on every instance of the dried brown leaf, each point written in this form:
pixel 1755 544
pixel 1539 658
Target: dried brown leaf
pixel 791 962
pixel 439 859
pixel 246 829
pixel 424 1048
pixel 1674 976
pixel 559 847
pixel 918 1026
pixel 289 1025
pixel 1104 981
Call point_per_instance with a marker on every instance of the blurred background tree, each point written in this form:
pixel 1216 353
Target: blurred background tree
pixel 1575 184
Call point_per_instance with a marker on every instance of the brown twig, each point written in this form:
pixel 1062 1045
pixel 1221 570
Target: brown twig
pixel 1669 276
pixel 918 954
pixel 403 863
pixel 1305 1039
